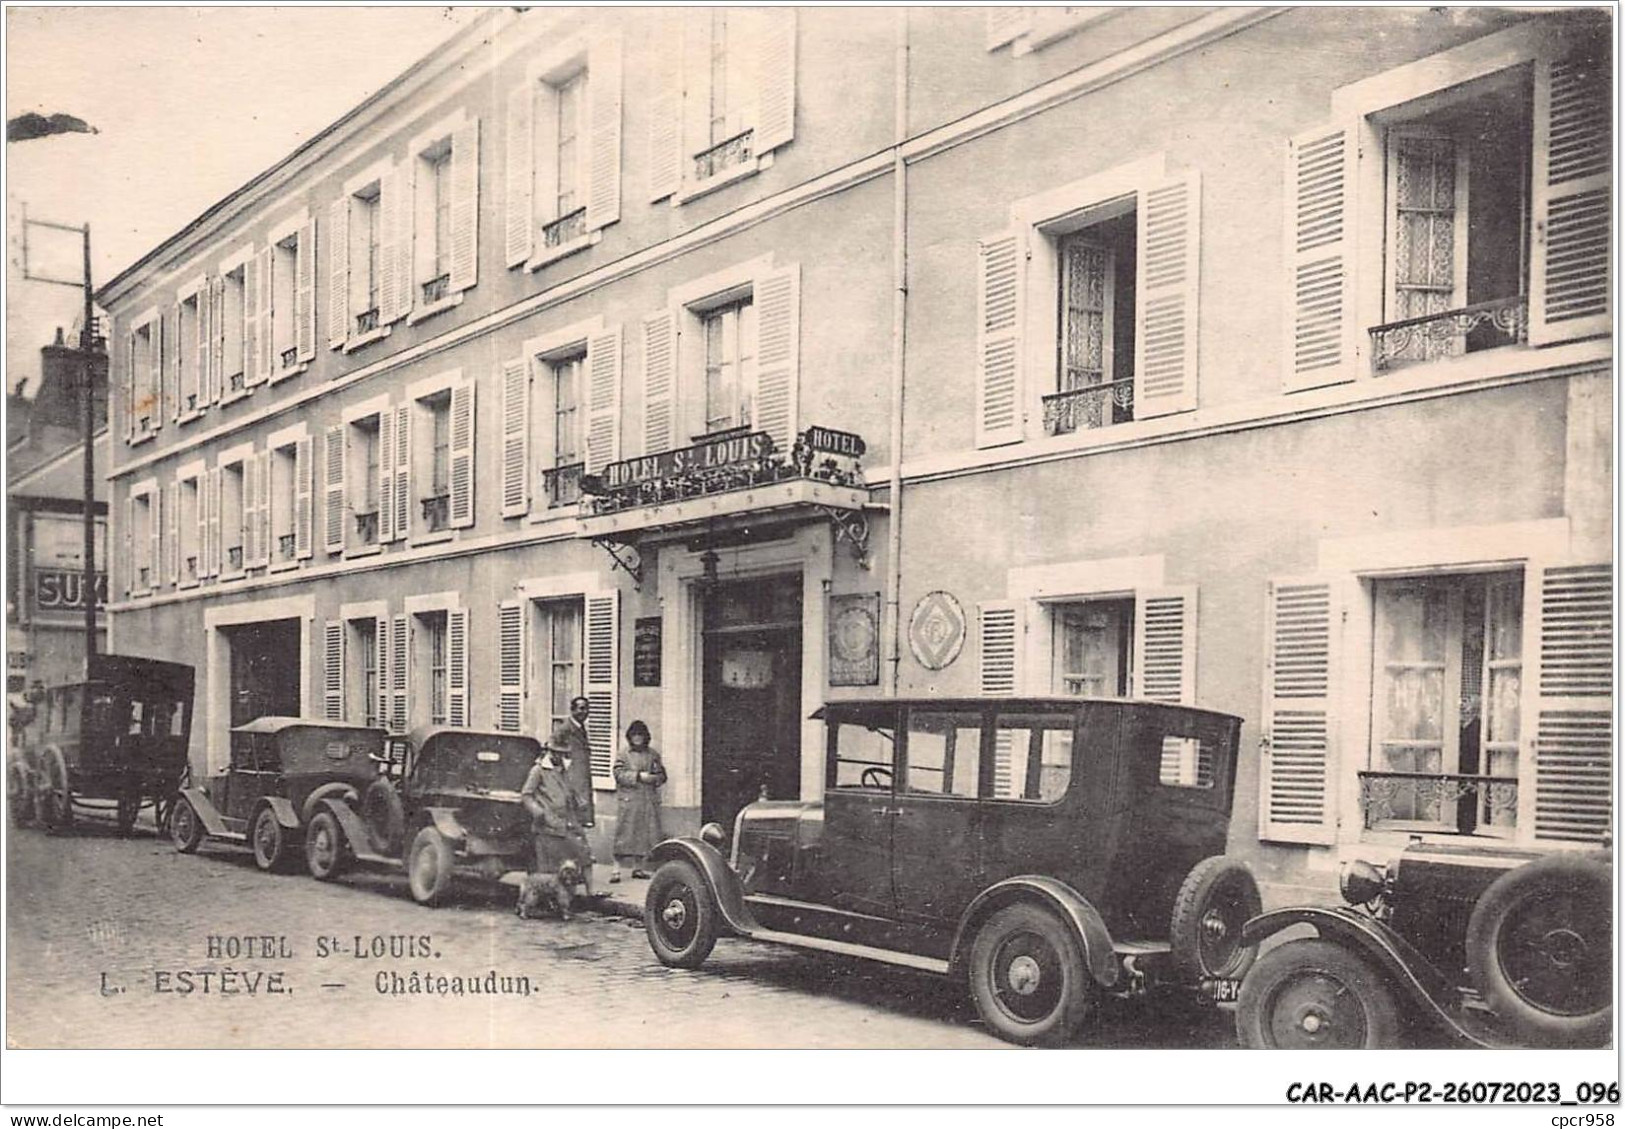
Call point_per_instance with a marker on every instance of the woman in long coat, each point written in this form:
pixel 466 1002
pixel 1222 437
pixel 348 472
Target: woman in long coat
pixel 639 775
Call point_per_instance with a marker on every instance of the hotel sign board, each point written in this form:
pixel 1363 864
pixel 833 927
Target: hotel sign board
pixel 718 454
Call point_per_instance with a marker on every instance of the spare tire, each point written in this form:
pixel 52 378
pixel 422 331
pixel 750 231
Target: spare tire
pixel 1540 947
pixel 385 816
pixel 1216 899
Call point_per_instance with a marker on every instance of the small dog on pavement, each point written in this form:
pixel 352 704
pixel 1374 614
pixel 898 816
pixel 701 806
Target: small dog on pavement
pixel 541 890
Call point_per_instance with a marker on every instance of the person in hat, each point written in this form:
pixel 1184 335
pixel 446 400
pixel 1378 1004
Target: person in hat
pixel 555 813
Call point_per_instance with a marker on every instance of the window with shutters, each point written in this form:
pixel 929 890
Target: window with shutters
pixel 430 639
pixel 433 235
pixel 188 359
pixel 439 457
pixel 234 357
pixel 366 262
pixel 143 566
pixel 1094 647
pixel 189 550
pixel 286 299
pixel 435 413
pixel 561 642
pixel 1094 376
pixel 284 467
pixel 561 171
pixel 729 333
pixel 361 685
pixel 364 476
pixel 143 381
pixel 561 417
pixel 234 519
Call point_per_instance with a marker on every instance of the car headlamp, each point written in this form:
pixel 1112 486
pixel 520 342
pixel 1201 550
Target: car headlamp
pixel 713 834
pixel 1361 882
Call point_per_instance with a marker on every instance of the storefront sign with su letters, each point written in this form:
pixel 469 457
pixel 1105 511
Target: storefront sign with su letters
pixel 59 590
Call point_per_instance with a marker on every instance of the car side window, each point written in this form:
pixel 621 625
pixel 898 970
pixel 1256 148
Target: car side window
pixel 864 756
pixel 944 752
pixel 1032 756
pixel 1186 762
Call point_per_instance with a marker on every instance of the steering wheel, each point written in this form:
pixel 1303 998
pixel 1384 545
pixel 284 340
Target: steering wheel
pixel 876 773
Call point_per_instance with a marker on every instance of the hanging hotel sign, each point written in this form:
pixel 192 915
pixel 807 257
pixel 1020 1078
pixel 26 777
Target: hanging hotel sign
pixel 730 451
pixel 61 590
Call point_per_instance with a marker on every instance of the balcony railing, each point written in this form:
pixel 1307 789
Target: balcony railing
pixel 436 289
pixel 1084 409
pixel 143 424
pixel 366 527
pixel 566 229
pixel 285 546
pixel 1448 801
pixel 234 557
pixel 191 401
pixel 191 568
pixel 367 320
pixel 143 577
pixel 236 382
pixel 290 356
pixel 437 512
pixel 724 155
pixel 1485 325
pixel 562 484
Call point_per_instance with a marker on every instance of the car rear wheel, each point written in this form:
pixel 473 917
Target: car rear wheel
pixel 680 916
pixel 270 841
pixel 385 817
pixel 327 853
pixel 1540 947
pixel 185 829
pixel 1217 898
pixel 1312 994
pixel 429 864
pixel 1028 979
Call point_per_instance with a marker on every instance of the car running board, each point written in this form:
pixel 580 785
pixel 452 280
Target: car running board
pixel 1141 948
pixel 850 949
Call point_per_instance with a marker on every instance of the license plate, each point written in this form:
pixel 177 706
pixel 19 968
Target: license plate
pixel 1222 991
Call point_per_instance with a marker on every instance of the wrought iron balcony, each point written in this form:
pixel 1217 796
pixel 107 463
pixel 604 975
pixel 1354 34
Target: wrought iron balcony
pixel 234 557
pixel 366 527
pixel 191 401
pixel 367 320
pixel 285 546
pixel 143 577
pixel 143 424
pixel 437 512
pixel 566 229
pixel 191 568
pixel 236 382
pixel 1484 325
pixel 436 289
pixel 562 484
pixel 1084 409
pixel 290 356
pixel 1453 801
pixel 724 155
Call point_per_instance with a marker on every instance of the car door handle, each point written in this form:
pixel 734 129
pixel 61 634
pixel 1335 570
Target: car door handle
pixel 885 811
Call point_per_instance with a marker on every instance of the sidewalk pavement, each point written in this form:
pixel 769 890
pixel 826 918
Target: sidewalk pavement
pixel 623 898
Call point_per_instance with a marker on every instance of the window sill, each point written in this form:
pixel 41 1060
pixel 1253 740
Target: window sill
pixel 364 550
pixel 561 516
pixel 224 576
pixel 351 344
pixel 693 190
pixel 189 417
pixel 183 585
pixel 438 538
pixel 449 302
pixel 282 374
pixel 282 566
pixel 564 250
pixel 233 397
pixel 144 437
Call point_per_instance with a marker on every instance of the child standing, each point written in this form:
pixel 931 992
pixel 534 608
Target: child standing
pixel 639 775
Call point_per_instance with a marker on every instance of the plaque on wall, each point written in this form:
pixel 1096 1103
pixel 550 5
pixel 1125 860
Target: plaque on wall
pixel 936 630
pixel 854 640
pixel 646 651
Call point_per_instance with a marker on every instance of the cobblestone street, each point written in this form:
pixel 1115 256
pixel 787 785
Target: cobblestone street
pixel 107 935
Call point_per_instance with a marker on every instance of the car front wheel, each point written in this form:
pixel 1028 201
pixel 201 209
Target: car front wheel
pixel 185 829
pixel 1315 995
pixel 270 841
pixel 326 851
pixel 679 916
pixel 1028 979
pixel 429 863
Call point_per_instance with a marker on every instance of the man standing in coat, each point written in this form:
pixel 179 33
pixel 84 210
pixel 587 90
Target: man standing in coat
pixel 570 738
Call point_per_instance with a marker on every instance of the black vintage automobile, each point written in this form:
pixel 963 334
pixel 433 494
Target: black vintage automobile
pixel 454 807
pixel 281 768
pixel 119 737
pixel 1046 851
pixel 1491 947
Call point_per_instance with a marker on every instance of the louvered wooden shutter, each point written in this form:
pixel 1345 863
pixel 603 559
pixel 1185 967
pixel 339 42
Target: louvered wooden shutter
pixel 1165 340
pixel 998 340
pixel 1005 24
pixel 604 133
pixel 381 692
pixel 515 438
pixel 172 533
pixel 156 390
pixel 260 515
pixel 175 361
pixel 666 106
pixel 334 511
pixel 200 510
pixel 155 538
pixel 217 339
pixel 202 378
pixel 333 670
pixel 394 289
pixel 519 175
pixel 400 673
pixel 338 272
pixel 510 666
pixel 305 302
pixel 263 348
pixel 659 380
pixel 402 495
pixel 461 454
pixel 249 510
pixel 1319 192
pixel 304 500
pixel 386 476
pixel 1570 265
pixel 129 387
pixel 778 354
pixel 1001 636
pixel 776 73
pixel 216 549
pixel 603 399
pixel 465 205
pixel 1574 705
pixel 603 623
pixel 127 562
pixel 1296 772
pixel 457 668
pixel 1165 645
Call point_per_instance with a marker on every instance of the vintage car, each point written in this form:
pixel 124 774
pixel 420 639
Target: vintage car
pixel 1489 946
pixel 119 737
pixel 280 770
pixel 453 808
pixel 1045 850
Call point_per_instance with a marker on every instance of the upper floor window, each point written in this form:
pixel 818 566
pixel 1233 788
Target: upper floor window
pixel 437 501
pixel 234 518
pixel 143 380
pixel 290 329
pixel 366 258
pixel 560 415
pixel 143 534
pixel 562 481
pixel 1095 377
pixel 191 356
pixel 365 479
pixel 233 352
pixel 191 530
pixel 441 249
pixel 730 365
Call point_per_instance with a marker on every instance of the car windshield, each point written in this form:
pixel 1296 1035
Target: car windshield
pixel 864 756
pixel 473 763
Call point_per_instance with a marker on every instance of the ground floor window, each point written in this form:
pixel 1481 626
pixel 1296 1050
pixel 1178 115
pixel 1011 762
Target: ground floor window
pixel 1094 647
pixel 561 643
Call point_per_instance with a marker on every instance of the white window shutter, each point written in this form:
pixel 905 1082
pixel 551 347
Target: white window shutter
pixel 604 133
pixel 515 438
pixel 386 476
pixel 463 416
pixel 153 405
pixel 510 666
pixel 1297 780
pixel 400 673
pixel 1165 645
pixel 200 506
pixel 338 272
pixel 603 399
pixel 666 106
pixel 155 538
pixel 256 469
pixel 249 510
pixel 777 297
pixel 172 534
pixel 776 97
pixel 215 532
pixel 393 288
pixel 334 510
pixel 457 668
pixel 603 627
pixel 1320 346
pixel 998 340
pixel 1569 270
pixel 333 669
pixel 128 540
pixel 381 650
pixel 403 471
pixel 217 342
pixel 465 205
pixel 519 176
pixel 1165 339
pixel 261 347
pixel 1572 690
pixel 202 378
pixel 129 386
pixel 174 361
pixel 1001 632
pixel 1005 24
pixel 305 302
pixel 304 499
pixel 659 380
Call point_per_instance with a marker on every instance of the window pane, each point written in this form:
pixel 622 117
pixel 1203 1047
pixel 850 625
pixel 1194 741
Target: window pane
pixel 1032 756
pixel 944 752
pixel 864 757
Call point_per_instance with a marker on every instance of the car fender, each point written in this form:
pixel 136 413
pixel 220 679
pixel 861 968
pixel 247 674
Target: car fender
pixel 1400 963
pixel 282 809
pixel 350 823
pixel 207 813
pixel 444 820
pixel 720 880
pixel 1088 927
pixel 336 789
